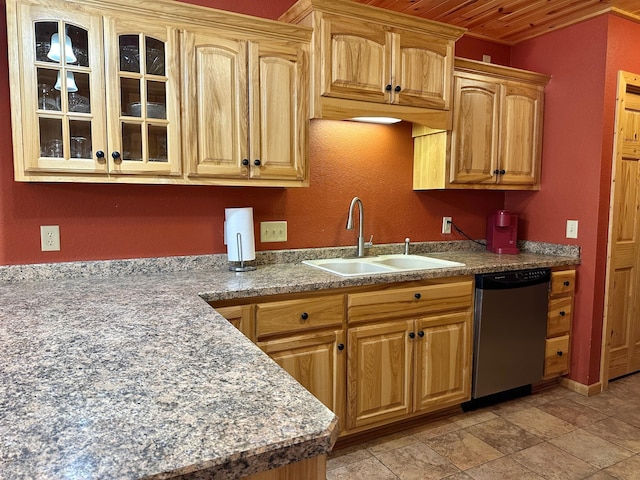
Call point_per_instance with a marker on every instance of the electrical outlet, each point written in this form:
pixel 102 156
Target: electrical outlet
pixel 50 238
pixel 273 231
pixel 572 229
pixel 446 224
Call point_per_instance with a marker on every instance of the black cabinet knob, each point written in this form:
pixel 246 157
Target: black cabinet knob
pixel 421 333
pixel 559 353
pixel 245 162
pixel 388 88
pixel 341 346
pixel 115 155
pixel 562 313
pixel 304 316
pixel 100 154
pixel 496 172
pixel 412 334
pixel 567 283
pixel 417 296
pixel 257 162
pixel 397 89
pixel 502 172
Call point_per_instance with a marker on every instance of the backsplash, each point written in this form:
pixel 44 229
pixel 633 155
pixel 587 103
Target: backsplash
pixel 142 266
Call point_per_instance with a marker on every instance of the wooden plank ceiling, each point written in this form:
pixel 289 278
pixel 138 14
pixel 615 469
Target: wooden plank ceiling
pixel 509 21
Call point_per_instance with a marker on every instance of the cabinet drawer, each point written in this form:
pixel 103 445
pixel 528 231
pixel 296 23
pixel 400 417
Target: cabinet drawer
pixel 556 356
pixel 403 302
pixel 563 282
pixel 559 318
pixel 295 315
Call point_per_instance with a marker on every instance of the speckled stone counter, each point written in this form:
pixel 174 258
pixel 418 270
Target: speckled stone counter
pixel 135 376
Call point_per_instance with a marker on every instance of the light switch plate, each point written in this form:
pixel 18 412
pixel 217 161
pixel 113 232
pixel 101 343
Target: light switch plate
pixel 273 231
pixel 572 228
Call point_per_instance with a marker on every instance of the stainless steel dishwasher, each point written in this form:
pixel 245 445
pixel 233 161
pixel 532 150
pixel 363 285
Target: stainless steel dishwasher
pixel 510 324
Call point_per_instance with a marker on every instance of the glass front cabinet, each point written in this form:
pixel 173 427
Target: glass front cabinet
pixel 97 95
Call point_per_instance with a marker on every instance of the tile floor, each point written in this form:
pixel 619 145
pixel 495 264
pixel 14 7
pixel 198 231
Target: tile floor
pixel 556 434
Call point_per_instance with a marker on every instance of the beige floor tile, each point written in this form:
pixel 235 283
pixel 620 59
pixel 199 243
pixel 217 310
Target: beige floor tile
pixel 364 470
pixel 618 432
pixel 592 449
pixel 552 463
pixel 572 412
pixel 436 429
pixel 502 468
pixel 459 476
pixel 606 402
pixel 627 469
pixel 629 414
pixel 601 475
pixel 463 449
pixel 346 456
pixel 504 436
pixel 539 423
pixel 390 442
pixel 547 396
pixel 417 462
pixel 472 418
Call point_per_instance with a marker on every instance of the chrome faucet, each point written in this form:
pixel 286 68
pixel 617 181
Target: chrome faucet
pixel 360 251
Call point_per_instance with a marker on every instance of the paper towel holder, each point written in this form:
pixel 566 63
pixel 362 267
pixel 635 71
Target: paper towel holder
pixel 240 266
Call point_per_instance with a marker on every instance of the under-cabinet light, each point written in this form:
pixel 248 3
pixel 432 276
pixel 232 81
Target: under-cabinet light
pixel 382 120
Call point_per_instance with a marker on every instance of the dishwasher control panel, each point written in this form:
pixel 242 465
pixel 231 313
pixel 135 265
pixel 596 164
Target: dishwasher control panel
pixel 514 279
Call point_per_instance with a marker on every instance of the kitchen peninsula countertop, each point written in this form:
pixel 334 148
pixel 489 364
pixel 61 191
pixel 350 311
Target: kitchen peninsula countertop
pixel 136 376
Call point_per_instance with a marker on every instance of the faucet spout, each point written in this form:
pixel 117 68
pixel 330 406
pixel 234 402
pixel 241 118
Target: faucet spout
pixel 360 245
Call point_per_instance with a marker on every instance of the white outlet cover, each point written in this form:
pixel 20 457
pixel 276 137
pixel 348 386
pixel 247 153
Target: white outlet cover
pixel 50 238
pixel 572 229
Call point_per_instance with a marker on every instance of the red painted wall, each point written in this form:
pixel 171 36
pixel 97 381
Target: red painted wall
pixel 100 221
pixel 475 48
pixel 577 155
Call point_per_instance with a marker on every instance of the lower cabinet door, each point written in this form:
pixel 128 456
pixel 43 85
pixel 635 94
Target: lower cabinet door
pixel 317 362
pixel 443 361
pixel 378 373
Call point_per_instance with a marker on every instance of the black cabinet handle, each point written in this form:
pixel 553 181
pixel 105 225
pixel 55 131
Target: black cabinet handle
pixel 567 283
pixel 304 316
pixel 417 296
pixel 397 89
pixel 257 162
pixel 559 353
pixel 421 333
pixel 388 88
pixel 245 162
pixel 341 346
pixel 412 334
pixel 562 313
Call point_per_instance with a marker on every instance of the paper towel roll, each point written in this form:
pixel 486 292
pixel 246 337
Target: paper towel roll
pixel 239 220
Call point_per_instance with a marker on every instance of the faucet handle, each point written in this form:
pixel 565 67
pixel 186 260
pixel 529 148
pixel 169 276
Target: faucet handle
pixel 369 244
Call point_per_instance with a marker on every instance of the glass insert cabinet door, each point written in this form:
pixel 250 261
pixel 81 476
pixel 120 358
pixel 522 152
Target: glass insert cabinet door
pixel 99 94
pixel 143 98
pixel 63 111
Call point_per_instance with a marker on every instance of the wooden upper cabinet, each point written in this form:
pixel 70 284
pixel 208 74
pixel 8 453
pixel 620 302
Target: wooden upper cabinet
pixel 368 61
pixel 143 97
pixel 474 139
pixel 496 140
pixel 156 92
pixel 246 108
pixel 423 66
pixel 58 105
pixel 215 96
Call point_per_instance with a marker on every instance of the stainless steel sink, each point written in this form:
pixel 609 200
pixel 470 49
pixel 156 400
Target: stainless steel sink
pixel 347 267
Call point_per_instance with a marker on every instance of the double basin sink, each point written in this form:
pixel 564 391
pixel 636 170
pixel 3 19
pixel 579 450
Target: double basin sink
pixel 396 263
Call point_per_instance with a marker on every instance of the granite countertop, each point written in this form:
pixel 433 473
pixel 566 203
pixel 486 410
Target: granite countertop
pixel 136 376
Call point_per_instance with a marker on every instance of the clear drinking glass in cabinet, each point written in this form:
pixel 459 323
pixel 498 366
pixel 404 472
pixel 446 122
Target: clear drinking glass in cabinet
pixel 80 139
pixel 48 97
pixel 129 53
pixel 132 142
pixel 154 56
pixel 156 100
pixel 51 144
pixel 157 136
